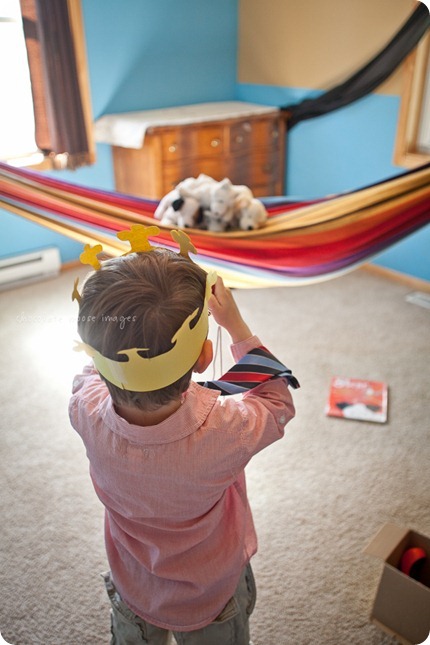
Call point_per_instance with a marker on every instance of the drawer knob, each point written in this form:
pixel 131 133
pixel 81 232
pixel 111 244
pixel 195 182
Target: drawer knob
pixel 215 143
pixel 239 138
pixel 173 147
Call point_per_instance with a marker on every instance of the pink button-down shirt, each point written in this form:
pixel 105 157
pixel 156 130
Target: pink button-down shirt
pixel 178 527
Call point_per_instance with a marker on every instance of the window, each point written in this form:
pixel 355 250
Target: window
pixel 413 133
pixel 45 87
pixel 17 137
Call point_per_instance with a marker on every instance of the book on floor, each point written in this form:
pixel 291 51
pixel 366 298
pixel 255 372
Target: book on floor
pixel 359 399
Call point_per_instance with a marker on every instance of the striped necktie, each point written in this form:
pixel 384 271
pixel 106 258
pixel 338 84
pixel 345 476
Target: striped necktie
pixel 256 367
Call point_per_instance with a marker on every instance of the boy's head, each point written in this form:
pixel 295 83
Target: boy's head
pixel 141 300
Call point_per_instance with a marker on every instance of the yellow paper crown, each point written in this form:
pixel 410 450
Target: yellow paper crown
pixel 139 374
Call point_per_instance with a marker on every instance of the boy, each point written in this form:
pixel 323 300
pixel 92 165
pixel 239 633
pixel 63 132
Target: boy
pixel 167 456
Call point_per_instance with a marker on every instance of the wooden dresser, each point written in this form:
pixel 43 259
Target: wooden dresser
pixel 245 143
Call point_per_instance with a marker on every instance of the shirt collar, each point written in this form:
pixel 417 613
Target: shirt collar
pixel 197 404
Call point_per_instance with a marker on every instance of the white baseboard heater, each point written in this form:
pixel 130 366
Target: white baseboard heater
pixel 18 270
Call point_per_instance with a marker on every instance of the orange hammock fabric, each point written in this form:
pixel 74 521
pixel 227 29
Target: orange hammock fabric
pixel 302 241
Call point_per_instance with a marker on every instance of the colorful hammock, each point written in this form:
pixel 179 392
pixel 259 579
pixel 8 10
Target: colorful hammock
pixel 302 242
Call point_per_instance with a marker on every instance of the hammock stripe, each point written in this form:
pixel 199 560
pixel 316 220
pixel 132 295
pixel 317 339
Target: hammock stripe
pixel 302 242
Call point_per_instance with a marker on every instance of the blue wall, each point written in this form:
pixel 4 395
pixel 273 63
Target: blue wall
pixel 143 55
pixel 158 54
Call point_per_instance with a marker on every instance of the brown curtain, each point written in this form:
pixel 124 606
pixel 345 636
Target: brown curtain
pixel 61 132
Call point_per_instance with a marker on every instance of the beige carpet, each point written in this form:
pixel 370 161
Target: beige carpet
pixel 318 496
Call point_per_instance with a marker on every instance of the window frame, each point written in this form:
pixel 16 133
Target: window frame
pixel 78 34
pixel 77 26
pixel 416 67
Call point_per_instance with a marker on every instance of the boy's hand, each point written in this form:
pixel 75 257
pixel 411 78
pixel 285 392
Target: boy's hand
pixel 226 313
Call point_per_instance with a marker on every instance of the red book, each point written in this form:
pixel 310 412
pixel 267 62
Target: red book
pixel 353 398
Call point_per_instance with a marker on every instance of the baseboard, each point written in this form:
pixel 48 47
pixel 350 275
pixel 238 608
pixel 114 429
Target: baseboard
pixel 401 278
pixel 77 264
pixel 72 264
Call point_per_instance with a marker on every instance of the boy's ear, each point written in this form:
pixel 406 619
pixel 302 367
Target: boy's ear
pixel 205 358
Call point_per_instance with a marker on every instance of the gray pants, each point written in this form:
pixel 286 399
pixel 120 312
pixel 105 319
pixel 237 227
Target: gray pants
pixel 231 627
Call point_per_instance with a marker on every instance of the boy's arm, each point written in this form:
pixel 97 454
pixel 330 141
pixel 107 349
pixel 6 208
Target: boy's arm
pixel 226 313
pixel 240 349
pixel 265 409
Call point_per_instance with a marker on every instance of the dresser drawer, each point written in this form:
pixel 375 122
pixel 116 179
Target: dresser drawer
pixel 173 173
pixel 262 171
pixel 208 141
pixel 174 144
pixel 267 133
pixel 240 135
pixel 264 167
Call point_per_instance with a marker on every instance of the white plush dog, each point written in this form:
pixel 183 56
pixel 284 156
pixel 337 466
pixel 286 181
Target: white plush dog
pixel 166 203
pixel 252 216
pixel 221 212
pixel 182 212
pixel 193 187
pixel 199 188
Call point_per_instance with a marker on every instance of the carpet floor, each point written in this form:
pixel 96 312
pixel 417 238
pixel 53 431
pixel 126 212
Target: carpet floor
pixel 318 495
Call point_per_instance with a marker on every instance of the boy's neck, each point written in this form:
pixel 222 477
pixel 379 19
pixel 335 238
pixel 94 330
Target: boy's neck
pixel 139 417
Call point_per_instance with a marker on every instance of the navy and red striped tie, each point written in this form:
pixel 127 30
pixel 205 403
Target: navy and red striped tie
pixel 256 367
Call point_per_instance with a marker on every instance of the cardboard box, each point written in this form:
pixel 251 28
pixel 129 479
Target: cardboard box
pixel 402 603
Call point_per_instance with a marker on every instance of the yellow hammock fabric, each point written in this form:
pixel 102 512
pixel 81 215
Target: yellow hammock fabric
pixel 302 242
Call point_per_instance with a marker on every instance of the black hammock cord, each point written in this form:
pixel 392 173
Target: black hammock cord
pixel 368 77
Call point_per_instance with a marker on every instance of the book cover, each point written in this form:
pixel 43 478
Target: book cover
pixel 353 398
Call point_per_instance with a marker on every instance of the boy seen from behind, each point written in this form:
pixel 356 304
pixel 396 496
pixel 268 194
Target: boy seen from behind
pixel 167 455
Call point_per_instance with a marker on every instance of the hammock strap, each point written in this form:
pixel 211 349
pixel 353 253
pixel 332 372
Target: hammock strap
pixel 369 77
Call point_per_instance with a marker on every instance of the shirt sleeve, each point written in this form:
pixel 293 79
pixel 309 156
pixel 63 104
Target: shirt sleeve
pixel 89 371
pixel 239 350
pixel 266 410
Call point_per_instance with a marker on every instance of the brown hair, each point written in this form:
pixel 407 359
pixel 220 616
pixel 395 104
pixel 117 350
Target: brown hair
pixel 140 300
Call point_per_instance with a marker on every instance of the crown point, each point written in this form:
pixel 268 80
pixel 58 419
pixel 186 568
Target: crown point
pixel 185 244
pixel 89 255
pixel 75 293
pixel 138 235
